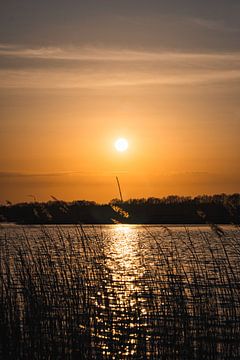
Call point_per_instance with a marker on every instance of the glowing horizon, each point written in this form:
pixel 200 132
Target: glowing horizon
pixel 164 76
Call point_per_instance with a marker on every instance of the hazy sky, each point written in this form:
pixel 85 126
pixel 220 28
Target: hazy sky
pixel 76 75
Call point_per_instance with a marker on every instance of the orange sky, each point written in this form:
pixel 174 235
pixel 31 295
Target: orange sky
pixel 62 105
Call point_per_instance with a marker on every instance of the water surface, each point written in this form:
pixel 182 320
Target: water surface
pixel 135 292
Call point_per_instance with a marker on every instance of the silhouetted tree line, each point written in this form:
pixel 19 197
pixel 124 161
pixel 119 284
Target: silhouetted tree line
pixel 219 209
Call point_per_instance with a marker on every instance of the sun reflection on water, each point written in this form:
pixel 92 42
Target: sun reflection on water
pixel 124 262
pixel 123 252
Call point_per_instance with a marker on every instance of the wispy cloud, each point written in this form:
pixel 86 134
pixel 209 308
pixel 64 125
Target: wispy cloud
pixel 33 175
pixel 105 67
pixel 70 80
pixel 215 25
pixel 90 53
pixel 57 174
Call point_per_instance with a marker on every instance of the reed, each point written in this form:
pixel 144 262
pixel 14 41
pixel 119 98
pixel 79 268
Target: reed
pixel 60 299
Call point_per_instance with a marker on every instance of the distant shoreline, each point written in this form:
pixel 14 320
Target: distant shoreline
pixel 5 225
pixel 203 209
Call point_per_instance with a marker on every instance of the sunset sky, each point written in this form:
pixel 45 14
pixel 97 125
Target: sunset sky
pixel 77 75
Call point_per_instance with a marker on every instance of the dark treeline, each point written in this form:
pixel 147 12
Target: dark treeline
pixel 221 209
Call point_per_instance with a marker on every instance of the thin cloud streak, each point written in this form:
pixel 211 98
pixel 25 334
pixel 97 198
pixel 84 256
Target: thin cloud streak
pixel 108 54
pixel 70 80
pixel 14 175
pixel 100 68
pixel 19 174
pixel 214 25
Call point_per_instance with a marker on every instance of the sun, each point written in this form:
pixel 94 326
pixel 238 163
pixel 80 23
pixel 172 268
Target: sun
pixel 121 144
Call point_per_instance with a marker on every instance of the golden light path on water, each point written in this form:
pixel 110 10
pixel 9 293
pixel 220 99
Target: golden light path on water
pixel 124 261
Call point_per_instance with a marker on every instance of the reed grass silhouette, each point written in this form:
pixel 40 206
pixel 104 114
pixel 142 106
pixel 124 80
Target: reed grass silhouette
pixel 59 299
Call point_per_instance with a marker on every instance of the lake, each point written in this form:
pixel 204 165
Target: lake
pixel 120 292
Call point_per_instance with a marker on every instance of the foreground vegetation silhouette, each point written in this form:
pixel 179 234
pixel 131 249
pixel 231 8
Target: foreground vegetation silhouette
pixel 60 298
